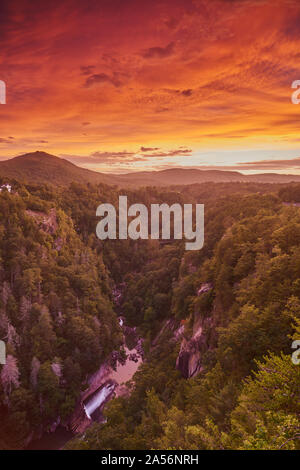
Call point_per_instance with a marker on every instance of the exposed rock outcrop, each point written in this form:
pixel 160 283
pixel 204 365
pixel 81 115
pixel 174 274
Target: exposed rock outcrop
pixel 47 222
pixel 189 360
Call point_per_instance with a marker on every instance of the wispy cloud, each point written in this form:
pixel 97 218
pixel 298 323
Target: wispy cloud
pixel 115 158
pixel 158 52
pixel 99 78
pixel 170 153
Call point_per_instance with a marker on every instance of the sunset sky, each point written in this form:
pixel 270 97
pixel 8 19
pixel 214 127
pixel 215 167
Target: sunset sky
pixel 130 85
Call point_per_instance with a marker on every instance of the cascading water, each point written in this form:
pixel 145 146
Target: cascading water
pixel 111 382
pixel 98 399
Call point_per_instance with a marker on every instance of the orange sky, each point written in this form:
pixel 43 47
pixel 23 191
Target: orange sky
pixel 119 85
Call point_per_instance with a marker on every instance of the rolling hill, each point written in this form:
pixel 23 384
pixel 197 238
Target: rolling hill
pixel 41 167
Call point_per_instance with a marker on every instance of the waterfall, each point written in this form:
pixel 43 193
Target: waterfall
pixel 97 400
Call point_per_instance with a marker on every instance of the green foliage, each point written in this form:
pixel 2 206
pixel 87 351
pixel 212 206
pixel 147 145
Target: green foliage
pixel 54 307
pixel 57 316
pixel 247 393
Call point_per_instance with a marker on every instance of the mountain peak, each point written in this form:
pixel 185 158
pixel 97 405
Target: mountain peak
pixel 42 167
pixel 38 154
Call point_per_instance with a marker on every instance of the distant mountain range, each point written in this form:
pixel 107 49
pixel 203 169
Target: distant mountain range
pixel 41 167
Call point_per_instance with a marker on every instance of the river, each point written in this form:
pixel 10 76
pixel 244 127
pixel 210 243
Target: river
pixel 93 404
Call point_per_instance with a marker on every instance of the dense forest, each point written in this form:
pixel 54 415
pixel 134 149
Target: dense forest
pixel 217 323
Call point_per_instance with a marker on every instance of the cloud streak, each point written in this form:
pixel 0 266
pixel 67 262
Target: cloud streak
pixel 158 52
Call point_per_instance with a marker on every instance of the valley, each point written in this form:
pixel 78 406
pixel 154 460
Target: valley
pixel 73 310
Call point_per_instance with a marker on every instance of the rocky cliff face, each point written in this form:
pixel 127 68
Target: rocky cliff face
pixel 189 360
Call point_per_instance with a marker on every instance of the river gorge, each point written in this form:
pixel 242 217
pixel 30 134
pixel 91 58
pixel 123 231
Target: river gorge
pixel 106 383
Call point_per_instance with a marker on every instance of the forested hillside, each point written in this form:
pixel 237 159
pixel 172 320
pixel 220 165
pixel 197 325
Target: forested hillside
pixel 56 315
pixel 237 303
pixel 217 323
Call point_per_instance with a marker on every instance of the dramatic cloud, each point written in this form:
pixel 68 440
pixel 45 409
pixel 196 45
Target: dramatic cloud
pixel 101 78
pixel 149 149
pixel 87 69
pixel 212 75
pixel 187 92
pixel 125 156
pixel 158 52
